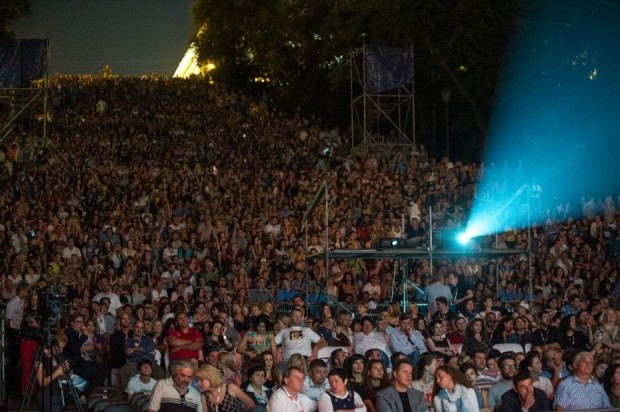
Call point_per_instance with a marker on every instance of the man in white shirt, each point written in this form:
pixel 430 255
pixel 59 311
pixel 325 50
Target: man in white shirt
pixel 172 393
pixel 142 382
pixel 13 321
pixel 373 288
pixel 368 338
pixel 106 292
pixel 159 292
pixel 289 397
pixel 70 250
pixel 299 339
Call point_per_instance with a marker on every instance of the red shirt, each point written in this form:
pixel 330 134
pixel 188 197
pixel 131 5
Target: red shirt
pixel 192 335
pixel 456 337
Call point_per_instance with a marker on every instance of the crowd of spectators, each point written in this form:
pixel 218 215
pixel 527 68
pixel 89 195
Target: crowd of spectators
pixel 173 209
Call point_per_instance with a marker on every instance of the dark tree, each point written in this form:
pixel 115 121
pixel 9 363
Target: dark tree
pixel 10 12
pixel 303 49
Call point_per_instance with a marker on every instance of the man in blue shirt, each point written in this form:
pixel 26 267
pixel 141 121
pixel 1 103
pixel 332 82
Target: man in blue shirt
pixel 573 307
pixel 138 347
pixel 436 289
pixel 579 391
pixel 260 294
pixel 408 340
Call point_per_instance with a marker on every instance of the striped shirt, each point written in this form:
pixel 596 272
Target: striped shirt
pixel 165 397
pixel 572 394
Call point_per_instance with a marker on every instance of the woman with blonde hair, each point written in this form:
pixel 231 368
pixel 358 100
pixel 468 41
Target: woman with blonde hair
pixel 283 322
pixel 219 395
pixel 608 331
pixel 229 368
pixel 298 360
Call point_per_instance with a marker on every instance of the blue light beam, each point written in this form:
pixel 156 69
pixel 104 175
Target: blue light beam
pixel 553 140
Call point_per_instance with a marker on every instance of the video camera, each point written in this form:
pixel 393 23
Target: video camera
pixel 55 304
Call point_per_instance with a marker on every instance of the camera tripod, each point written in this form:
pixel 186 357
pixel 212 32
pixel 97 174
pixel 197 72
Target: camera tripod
pixel 49 394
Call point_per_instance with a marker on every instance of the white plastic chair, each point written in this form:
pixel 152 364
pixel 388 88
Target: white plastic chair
pixel 508 347
pixel 326 352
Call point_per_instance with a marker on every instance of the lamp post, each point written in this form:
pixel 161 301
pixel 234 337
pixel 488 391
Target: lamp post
pixel 446 94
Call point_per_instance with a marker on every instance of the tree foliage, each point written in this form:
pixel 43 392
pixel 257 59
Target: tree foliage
pixel 303 48
pixel 10 12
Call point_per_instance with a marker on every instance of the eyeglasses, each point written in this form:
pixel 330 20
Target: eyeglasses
pixel 509 367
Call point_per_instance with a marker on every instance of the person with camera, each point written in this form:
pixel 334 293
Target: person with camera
pixel 50 368
pixel 93 372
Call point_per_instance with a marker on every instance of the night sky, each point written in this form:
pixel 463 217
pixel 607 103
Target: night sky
pixel 134 37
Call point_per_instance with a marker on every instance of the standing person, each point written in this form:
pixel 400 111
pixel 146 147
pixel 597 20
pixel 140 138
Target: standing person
pixel 524 396
pixel 13 322
pixel 453 392
pixel 400 397
pixel 183 341
pixel 337 397
pixel 29 343
pixel 289 397
pixel 436 289
pixel 579 390
pixel 299 339
pixel 176 393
